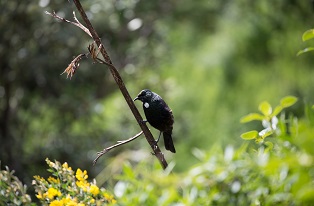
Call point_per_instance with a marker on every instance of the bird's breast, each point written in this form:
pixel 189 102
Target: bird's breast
pixel 158 115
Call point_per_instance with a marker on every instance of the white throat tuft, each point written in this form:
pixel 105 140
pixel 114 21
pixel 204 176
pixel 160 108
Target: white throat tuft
pixel 146 105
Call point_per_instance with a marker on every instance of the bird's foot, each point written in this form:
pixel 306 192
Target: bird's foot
pixel 155 147
pixel 156 141
pixel 143 121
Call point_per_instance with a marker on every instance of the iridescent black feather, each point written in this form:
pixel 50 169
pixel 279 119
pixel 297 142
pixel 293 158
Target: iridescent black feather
pixel 159 115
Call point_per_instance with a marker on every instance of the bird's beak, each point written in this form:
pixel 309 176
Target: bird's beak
pixel 136 98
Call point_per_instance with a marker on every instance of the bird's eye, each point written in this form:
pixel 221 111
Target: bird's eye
pixel 143 93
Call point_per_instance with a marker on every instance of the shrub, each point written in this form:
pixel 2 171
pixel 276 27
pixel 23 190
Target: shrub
pixel 12 191
pixel 66 188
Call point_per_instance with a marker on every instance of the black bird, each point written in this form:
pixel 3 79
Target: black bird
pixel 159 115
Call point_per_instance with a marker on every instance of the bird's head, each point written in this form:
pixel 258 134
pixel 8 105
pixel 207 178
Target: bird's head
pixel 145 95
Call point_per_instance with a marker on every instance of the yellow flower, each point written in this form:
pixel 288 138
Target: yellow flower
pixel 67 200
pixel 52 192
pixel 40 196
pixel 56 203
pixel 53 180
pixel 109 198
pixel 81 176
pixel 51 164
pixel 39 179
pixel 71 203
pixel 94 190
pixel 83 184
pixel 66 166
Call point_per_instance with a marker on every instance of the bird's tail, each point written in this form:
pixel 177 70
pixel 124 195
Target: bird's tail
pixel 168 141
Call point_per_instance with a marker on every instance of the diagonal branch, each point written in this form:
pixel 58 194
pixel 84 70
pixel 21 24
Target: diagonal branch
pixel 149 137
pixel 104 151
pixel 91 32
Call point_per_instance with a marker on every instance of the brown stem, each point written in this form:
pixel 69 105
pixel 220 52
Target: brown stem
pixel 149 137
pixel 76 23
pixel 104 151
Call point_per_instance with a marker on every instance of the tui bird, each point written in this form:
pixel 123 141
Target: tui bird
pixel 159 115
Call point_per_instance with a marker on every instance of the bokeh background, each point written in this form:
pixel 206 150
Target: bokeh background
pixel 213 61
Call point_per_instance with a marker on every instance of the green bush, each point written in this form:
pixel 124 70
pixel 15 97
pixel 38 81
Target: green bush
pixel 65 187
pixel 229 177
pixel 12 191
pixel 253 174
pixel 249 175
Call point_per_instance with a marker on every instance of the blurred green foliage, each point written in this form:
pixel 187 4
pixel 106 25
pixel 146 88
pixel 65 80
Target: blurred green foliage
pixel 212 61
pixel 309 34
pixel 229 176
pixel 12 190
pixel 268 119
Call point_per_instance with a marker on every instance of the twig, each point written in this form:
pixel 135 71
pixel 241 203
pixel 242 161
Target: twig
pixel 76 23
pixel 94 54
pixel 104 151
pixel 73 66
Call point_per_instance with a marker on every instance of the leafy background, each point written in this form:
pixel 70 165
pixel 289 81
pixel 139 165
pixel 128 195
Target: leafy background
pixel 212 61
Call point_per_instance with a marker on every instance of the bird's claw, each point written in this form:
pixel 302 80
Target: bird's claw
pixel 155 147
pixel 143 121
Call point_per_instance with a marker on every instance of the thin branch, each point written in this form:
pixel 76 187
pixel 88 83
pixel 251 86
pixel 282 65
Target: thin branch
pixel 76 23
pixel 104 151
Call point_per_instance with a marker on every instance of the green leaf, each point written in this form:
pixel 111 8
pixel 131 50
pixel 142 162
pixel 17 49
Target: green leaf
pixel 305 50
pixel 309 34
pixel 249 135
pixel 269 145
pixel 259 140
pixel 128 171
pixel 288 101
pixel 265 108
pixel 267 133
pixel 277 110
pixel 309 113
pixel 251 117
pixel 306 193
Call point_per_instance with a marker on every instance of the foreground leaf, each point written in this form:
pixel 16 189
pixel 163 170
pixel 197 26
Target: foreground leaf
pixel 251 117
pixel 309 34
pixel 277 110
pixel 288 101
pixel 265 108
pixel 249 135
pixel 269 146
pixel 305 50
